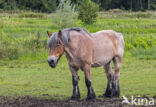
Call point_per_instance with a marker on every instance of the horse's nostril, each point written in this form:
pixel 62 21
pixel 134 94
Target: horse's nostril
pixel 52 61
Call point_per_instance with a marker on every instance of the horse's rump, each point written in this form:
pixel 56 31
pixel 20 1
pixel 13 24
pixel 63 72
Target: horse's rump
pixel 106 45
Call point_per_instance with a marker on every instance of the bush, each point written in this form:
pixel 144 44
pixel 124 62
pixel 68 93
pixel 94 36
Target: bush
pixel 65 15
pixel 88 11
pixel 34 43
pixel 143 15
pixel 9 5
pixel 8 48
pixel 139 41
pixel 37 5
pixel 12 48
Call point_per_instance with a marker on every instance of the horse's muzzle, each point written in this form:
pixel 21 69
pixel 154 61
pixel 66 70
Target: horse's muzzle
pixel 52 60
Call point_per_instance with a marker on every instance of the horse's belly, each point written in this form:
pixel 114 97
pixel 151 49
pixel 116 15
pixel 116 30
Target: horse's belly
pixel 102 54
pixel 103 50
pixel 101 61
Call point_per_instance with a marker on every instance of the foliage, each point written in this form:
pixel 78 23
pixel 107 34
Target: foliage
pixel 51 5
pixel 30 75
pixel 65 15
pixel 19 36
pixel 140 41
pixel 11 49
pixel 8 48
pixel 87 11
pixel 38 5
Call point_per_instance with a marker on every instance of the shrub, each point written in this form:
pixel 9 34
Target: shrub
pixel 129 46
pixel 88 11
pixel 34 43
pixel 37 5
pixel 12 48
pixel 143 15
pixel 9 5
pixel 8 48
pixel 139 41
pixel 65 15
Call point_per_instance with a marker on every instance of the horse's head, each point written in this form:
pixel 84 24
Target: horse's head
pixel 56 48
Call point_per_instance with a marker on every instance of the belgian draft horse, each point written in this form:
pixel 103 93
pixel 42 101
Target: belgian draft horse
pixel 83 51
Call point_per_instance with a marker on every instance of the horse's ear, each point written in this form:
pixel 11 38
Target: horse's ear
pixel 60 34
pixel 49 34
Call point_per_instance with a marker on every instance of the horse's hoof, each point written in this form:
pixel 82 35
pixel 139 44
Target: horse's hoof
pixel 74 98
pixel 91 97
pixel 107 94
pixel 102 96
pixel 112 94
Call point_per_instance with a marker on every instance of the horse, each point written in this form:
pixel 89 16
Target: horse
pixel 84 50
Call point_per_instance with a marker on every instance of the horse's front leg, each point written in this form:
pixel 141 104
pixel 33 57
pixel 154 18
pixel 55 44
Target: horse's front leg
pixel 91 93
pixel 75 79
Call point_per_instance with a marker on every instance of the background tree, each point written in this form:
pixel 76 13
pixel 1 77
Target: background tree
pixel 149 4
pixel 65 15
pixel 35 5
pixel 51 5
pixel 87 11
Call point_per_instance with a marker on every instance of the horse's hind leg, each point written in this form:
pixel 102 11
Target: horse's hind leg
pixel 116 87
pixel 75 79
pixel 110 78
pixel 113 89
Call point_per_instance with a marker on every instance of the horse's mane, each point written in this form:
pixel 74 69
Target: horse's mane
pixel 65 35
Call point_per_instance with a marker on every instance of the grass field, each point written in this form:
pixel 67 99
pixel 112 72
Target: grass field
pixel 35 78
pixel 28 73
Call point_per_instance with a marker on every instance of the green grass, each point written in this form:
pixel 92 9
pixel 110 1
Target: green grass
pixel 132 28
pixel 36 79
pixel 29 74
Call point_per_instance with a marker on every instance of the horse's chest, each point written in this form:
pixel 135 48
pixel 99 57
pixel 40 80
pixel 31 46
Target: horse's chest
pixel 73 61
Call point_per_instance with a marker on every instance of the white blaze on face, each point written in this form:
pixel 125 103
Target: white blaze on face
pixel 52 60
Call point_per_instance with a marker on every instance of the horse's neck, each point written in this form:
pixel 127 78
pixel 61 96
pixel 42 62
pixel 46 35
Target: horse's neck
pixel 68 54
pixel 77 47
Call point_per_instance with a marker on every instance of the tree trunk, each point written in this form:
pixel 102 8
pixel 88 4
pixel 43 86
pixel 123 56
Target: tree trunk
pixel 149 4
pixel 137 4
pixel 131 4
pixel 141 4
pixel 97 1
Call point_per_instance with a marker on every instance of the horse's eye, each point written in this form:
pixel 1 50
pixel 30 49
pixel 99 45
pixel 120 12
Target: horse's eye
pixel 58 45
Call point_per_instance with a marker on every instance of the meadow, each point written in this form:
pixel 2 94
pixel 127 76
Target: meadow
pixel 24 70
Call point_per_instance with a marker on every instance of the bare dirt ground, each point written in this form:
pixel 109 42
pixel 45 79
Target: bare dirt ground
pixel 34 102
